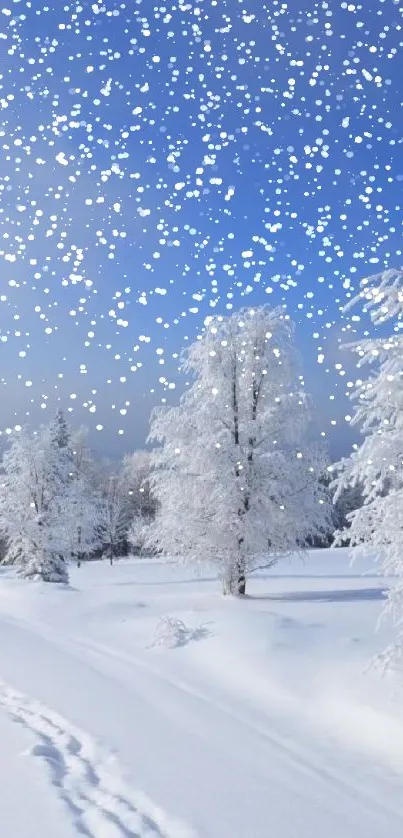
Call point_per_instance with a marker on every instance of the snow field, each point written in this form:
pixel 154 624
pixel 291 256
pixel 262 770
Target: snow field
pixel 140 683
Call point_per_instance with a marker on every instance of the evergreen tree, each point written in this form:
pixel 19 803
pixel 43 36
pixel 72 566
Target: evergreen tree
pixel 20 498
pixel 33 502
pixel 59 432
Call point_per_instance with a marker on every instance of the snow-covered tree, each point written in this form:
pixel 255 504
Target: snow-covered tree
pixel 29 507
pixel 37 476
pixel 236 480
pixel 82 518
pixel 51 508
pixel 20 497
pixel 115 511
pixel 137 474
pixel 376 527
pixel 347 500
pixel 49 561
pixel 138 534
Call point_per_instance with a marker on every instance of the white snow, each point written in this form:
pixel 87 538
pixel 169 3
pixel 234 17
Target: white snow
pixel 29 805
pixel 150 707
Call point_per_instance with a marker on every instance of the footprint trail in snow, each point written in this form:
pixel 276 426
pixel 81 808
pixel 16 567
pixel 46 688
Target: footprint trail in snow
pixel 100 803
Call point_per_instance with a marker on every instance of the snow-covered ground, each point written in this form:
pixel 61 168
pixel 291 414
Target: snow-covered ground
pixel 230 719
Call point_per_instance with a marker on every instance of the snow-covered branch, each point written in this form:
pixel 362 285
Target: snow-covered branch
pixel 376 465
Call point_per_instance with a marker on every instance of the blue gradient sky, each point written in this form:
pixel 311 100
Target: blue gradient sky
pixel 163 163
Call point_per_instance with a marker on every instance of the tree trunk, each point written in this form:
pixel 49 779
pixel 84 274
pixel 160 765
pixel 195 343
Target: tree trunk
pixel 241 576
pixel 79 545
pixel 234 581
pixel 228 583
pixel 241 584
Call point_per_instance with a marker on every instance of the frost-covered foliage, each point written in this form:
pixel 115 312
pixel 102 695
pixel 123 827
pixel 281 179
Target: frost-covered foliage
pixel 126 505
pixel 47 507
pixel 20 497
pixel 346 500
pixel 377 464
pixel 235 477
pixel 45 562
pixel 37 472
pixel 83 508
pixel 136 474
pixel 114 511
pixel 58 504
pixel 138 534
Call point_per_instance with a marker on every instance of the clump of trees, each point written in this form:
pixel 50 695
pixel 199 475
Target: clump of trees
pixel 58 505
pixel 235 477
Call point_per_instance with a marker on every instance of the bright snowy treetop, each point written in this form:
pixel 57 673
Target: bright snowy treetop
pixel 233 474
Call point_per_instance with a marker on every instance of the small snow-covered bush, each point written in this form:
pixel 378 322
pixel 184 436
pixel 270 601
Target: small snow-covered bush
pixel 172 633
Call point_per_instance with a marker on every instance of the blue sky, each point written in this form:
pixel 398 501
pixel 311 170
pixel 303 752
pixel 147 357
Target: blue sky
pixel 163 163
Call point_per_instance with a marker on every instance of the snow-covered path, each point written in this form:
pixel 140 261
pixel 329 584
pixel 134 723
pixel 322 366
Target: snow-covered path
pixel 209 755
pixel 29 806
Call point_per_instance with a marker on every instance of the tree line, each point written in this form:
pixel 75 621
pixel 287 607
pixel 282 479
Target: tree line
pixel 235 475
pixel 58 504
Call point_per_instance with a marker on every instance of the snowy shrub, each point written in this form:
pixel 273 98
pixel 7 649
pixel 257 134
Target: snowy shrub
pixel 172 633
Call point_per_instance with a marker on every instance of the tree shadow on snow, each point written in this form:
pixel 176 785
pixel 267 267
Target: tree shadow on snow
pixel 303 575
pixel 355 595
pixel 161 583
